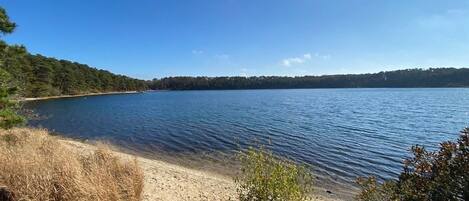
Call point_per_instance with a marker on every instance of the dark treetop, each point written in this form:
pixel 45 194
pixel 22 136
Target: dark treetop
pixel 433 77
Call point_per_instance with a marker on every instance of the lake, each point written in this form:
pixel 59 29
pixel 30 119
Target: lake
pixel 343 133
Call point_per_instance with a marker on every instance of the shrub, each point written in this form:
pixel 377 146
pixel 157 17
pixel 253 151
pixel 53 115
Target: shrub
pixel 373 191
pixel 265 177
pixel 36 166
pixel 439 175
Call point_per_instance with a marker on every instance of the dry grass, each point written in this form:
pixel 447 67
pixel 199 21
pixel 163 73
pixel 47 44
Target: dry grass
pixel 35 166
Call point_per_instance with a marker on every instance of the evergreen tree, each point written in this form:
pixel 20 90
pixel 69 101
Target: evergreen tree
pixel 9 116
pixel 8 108
pixel 433 77
pixel 42 78
pixel 6 26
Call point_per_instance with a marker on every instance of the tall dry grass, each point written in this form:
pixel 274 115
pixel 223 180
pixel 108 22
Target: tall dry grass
pixel 36 166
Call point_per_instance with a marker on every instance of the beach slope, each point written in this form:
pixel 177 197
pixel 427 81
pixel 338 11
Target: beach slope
pixel 167 182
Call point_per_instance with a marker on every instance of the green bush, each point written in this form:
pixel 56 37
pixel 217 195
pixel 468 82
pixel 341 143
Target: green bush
pixel 265 177
pixel 439 175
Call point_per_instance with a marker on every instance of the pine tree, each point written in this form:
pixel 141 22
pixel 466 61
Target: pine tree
pixel 42 79
pixel 9 116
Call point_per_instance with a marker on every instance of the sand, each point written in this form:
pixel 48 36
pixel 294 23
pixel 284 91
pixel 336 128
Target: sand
pixel 169 182
pixel 79 95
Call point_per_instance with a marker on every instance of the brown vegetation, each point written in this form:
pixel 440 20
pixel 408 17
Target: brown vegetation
pixel 437 175
pixel 36 166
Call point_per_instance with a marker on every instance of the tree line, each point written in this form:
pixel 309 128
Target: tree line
pixel 433 77
pixel 37 75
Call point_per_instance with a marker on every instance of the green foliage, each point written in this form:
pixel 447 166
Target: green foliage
pixel 265 177
pixel 42 80
pixel 9 116
pixel 433 77
pixel 42 76
pixel 6 26
pixel 439 175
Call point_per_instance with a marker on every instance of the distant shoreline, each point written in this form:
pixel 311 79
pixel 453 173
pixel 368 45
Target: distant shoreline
pixel 78 95
pixel 407 78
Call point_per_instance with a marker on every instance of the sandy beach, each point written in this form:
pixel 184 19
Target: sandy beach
pixel 78 95
pixel 168 182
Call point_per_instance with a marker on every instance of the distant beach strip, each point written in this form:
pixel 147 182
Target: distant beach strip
pixel 79 95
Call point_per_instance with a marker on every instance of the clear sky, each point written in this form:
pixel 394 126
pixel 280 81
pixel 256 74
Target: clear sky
pixel 150 38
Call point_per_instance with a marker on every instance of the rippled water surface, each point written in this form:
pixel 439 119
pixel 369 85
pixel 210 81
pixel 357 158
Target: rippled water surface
pixel 344 133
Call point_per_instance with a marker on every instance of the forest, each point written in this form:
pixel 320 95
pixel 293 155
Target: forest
pixel 39 76
pixel 433 77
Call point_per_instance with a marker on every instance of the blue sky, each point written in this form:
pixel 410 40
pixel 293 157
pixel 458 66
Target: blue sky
pixel 150 38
